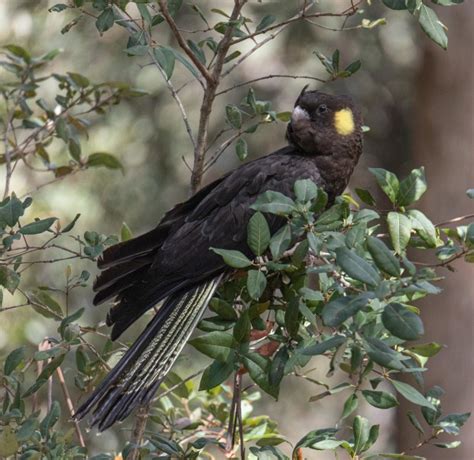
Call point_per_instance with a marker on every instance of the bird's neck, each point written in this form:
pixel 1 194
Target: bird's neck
pixel 336 171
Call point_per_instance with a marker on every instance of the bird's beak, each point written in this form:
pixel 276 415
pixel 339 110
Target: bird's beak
pixel 299 114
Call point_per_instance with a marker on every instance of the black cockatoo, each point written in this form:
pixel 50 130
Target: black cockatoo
pixel 173 264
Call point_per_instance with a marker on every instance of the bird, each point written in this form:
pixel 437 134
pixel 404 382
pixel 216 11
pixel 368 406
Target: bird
pixel 173 265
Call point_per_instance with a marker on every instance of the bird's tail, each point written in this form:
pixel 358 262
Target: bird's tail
pixel 137 376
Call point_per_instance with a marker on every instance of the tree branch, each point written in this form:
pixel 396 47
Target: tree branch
pixel 268 77
pixel 138 432
pixel 209 96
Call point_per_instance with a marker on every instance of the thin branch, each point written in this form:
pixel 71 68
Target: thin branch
pixel 267 77
pixel 444 263
pixel 350 11
pixel 174 28
pixel 70 405
pixel 176 97
pixel 138 432
pixel 280 27
pixel 455 220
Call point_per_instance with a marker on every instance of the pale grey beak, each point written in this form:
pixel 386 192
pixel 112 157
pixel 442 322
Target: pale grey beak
pixel 299 114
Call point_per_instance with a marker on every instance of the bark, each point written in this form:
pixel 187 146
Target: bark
pixel 443 142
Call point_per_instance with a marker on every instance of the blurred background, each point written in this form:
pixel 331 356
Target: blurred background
pixel 417 99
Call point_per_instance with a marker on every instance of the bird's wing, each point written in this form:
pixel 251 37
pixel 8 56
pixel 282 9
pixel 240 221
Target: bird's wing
pixel 182 259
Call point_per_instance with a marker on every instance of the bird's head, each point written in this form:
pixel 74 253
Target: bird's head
pixel 323 124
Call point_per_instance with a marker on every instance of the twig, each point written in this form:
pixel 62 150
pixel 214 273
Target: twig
pixel 70 405
pixel 455 220
pixel 267 77
pixel 444 263
pixel 232 416
pixel 350 11
pixel 138 432
pixel 176 97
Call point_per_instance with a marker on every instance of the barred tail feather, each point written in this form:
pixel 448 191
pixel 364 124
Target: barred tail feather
pixel 137 376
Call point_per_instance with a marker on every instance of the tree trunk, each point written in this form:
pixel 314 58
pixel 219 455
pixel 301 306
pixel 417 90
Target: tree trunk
pixel 443 142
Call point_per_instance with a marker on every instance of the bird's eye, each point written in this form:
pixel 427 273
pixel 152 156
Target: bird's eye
pixel 323 108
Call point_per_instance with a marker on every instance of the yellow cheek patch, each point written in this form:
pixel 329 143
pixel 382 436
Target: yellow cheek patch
pixel 344 122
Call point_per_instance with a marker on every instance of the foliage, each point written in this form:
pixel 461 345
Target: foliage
pixel 337 284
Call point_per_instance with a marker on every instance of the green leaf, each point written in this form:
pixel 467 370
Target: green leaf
pixel 80 80
pixel 387 181
pixel 280 241
pixel 38 226
pixel 166 59
pixel 423 226
pixel 412 187
pixel 233 258
pixel 402 322
pixel 223 309
pixel 314 437
pixel 432 26
pixel 105 20
pixel 174 6
pixel 45 305
pixel 415 422
pixel 18 51
pixel 256 283
pixel 258 367
pixel 448 445
pixel 277 367
pixel 9 279
pixel 360 428
pixel 357 267
pixel 242 328
pixel 382 354
pixel 10 211
pixel 258 234
pixel 234 116
pixel 399 227
pixel 13 360
pixel 217 345
pixel 266 21
pixel 383 257
pixel 103 159
pixel 305 190
pixel 339 310
pixel 380 399
pixel 185 62
pixel 431 414
pixel 51 418
pixel 365 196
pixel 71 224
pixel 285 117
pixel 241 149
pixel 452 423
pixel 125 232
pixel 352 68
pixel 215 374
pixel 320 348
pixel 291 317
pixel 411 394
pixel 428 350
pixel 350 405
pixel 274 203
